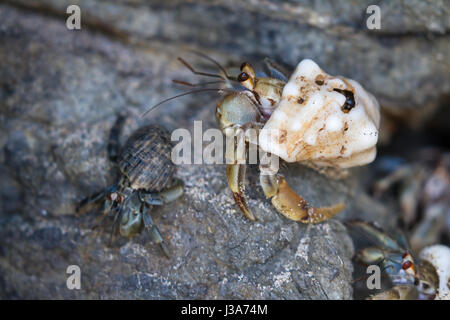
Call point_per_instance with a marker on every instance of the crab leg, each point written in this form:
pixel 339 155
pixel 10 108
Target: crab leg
pixel 165 196
pixel 159 199
pixel 391 262
pixel 107 207
pixel 274 70
pixel 236 183
pixel 81 206
pixel 154 231
pixel 371 255
pixel 290 204
pixel 237 166
pixel 114 225
pixel 377 235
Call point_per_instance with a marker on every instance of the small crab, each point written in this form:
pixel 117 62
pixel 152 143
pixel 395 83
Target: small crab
pixel 312 118
pixel 146 179
pixel 411 278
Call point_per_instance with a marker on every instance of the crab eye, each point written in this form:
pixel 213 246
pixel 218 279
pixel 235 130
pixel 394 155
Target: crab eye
pixel 349 99
pixel 406 265
pixel 243 76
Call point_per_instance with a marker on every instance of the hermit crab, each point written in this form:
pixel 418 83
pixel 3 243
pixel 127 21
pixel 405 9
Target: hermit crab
pixel 311 118
pixel 146 180
pixel 424 277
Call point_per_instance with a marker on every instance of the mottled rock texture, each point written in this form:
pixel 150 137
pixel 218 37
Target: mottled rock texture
pixel 60 93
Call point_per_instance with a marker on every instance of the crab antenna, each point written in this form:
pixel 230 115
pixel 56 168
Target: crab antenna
pixel 213 61
pixel 185 83
pixel 187 65
pixel 183 94
pixel 223 75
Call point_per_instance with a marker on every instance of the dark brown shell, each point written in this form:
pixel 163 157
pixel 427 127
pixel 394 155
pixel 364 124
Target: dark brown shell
pixel 146 159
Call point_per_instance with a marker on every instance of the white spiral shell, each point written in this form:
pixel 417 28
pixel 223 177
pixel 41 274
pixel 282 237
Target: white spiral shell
pixel 310 123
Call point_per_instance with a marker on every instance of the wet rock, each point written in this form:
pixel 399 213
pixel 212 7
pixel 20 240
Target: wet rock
pixel 413 33
pixel 61 91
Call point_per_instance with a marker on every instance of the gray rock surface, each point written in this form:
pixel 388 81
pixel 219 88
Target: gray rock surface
pixel 60 92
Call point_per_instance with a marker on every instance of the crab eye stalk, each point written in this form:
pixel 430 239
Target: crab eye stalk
pixel 247 68
pixel 246 80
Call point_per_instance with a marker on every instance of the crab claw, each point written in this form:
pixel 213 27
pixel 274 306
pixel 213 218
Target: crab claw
pixel 236 183
pixel 378 235
pixel 293 206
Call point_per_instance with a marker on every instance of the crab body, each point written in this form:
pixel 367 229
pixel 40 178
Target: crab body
pixel 146 179
pixel 331 121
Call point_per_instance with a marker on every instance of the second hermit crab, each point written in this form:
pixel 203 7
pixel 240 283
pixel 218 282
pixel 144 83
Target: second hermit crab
pixel 422 277
pixel 146 180
pixel 314 118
